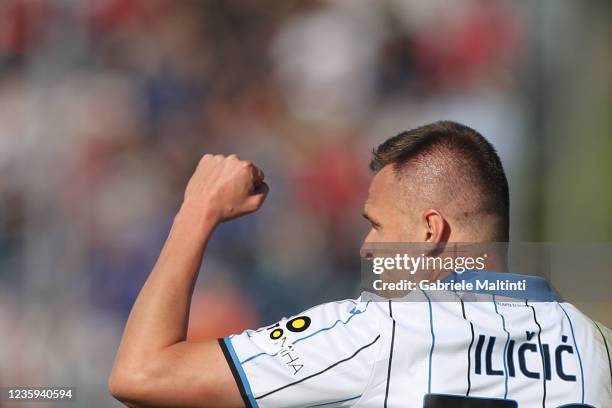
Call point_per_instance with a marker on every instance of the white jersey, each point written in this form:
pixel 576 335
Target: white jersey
pixel 479 350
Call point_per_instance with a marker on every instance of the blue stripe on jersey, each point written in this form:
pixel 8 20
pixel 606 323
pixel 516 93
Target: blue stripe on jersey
pixel 433 340
pixel 576 347
pixel 505 349
pixel 335 402
pixel 354 312
pixel 246 360
pixel 243 377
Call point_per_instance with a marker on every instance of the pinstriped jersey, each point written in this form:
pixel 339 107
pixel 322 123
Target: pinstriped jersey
pixel 430 349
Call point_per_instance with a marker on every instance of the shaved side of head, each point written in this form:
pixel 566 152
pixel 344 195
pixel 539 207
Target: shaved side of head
pixel 453 169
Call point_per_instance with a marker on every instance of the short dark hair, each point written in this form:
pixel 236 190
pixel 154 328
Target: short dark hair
pixel 459 142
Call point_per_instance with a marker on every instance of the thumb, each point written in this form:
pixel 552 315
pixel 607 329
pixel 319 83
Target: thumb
pixel 257 197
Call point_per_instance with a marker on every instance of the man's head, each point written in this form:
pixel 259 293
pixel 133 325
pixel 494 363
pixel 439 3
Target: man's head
pixel 441 182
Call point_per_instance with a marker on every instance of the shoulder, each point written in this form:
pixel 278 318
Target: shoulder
pixel 342 317
pixel 330 347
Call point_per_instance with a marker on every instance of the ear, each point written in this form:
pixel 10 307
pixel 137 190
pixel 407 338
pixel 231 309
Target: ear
pixel 436 228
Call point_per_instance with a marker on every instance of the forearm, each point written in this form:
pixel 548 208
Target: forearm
pixel 154 360
pixel 160 315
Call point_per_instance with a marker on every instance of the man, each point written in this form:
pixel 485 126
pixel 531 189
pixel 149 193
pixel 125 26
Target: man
pixel 440 183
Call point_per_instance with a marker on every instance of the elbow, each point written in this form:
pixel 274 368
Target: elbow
pixel 126 385
pixel 116 385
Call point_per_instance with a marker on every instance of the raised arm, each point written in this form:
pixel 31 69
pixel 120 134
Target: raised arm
pixel 155 366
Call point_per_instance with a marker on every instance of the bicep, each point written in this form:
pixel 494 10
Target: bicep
pixel 187 375
pixel 322 356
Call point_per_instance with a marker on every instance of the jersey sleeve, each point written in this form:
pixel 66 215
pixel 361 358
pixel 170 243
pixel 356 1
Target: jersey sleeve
pixel 321 357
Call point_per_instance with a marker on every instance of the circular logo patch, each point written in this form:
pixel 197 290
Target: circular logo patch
pixel 276 334
pixel 298 324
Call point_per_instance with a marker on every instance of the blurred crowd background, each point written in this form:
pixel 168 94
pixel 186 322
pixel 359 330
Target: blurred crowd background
pixel 107 105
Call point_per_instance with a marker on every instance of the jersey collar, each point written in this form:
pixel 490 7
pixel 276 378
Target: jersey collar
pixel 536 288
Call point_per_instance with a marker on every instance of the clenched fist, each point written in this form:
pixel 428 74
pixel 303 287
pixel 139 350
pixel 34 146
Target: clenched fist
pixel 225 187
